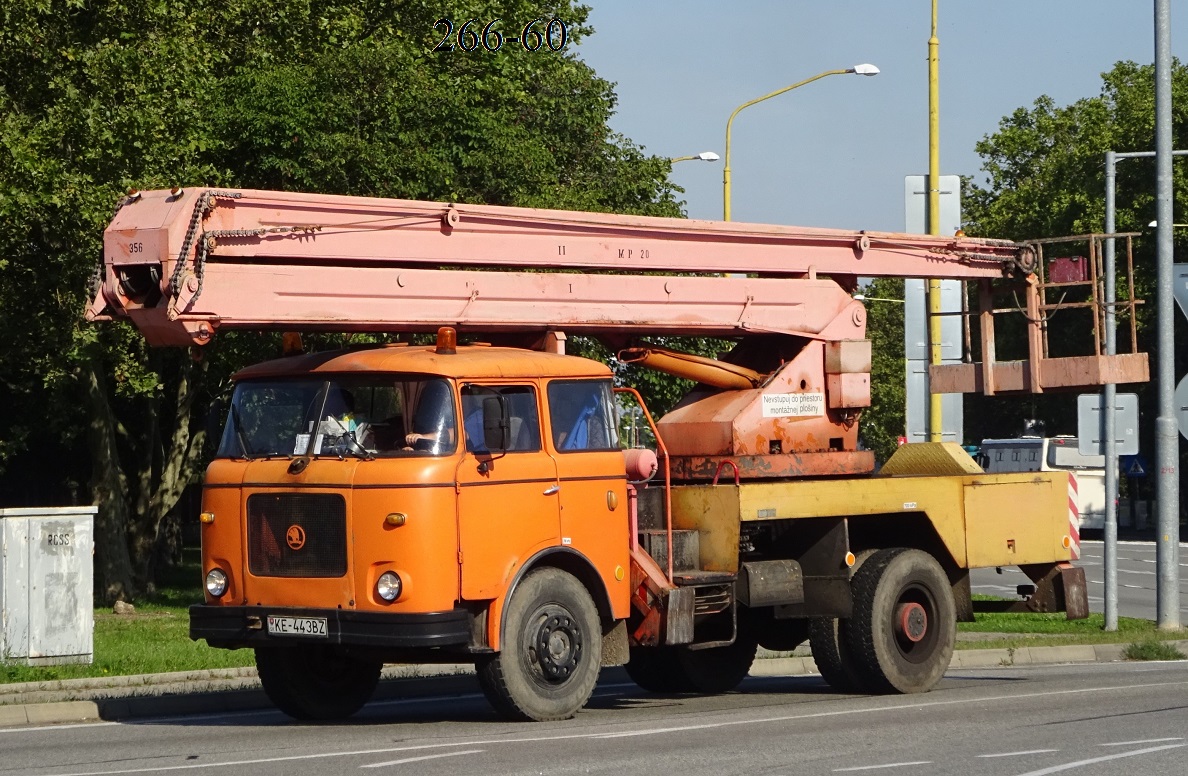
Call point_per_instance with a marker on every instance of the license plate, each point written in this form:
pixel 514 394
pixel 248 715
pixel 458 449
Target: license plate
pixel 297 626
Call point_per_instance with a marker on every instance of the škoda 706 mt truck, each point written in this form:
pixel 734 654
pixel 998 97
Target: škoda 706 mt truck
pixel 456 502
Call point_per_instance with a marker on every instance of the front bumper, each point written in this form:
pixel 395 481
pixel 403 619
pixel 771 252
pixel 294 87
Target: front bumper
pixel 246 626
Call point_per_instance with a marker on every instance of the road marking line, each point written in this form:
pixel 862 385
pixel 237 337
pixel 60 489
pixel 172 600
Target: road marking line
pixel 842 712
pixel 58 727
pixel 1019 754
pixel 892 708
pixel 1094 760
pixel 423 757
pixel 876 767
pixel 1145 741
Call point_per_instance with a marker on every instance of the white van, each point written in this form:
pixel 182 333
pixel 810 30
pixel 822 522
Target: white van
pixel 1048 454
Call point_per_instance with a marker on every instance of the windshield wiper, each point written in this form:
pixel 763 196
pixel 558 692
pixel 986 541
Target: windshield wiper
pixel 243 447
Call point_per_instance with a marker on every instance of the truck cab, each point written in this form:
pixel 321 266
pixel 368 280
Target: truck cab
pixel 369 505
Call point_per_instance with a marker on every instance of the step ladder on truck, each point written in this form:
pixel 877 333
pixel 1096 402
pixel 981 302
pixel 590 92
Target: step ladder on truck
pixel 472 502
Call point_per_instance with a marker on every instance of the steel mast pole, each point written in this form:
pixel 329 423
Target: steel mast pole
pixel 935 414
pixel 1108 398
pixel 1167 597
pixel 1109 417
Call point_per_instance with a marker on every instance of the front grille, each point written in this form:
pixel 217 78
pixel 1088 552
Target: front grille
pixel 296 535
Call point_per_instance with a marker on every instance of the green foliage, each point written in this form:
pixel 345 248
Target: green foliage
pixel 660 391
pixel 1151 649
pixel 1051 623
pixel 884 421
pixel 337 97
pixel 1046 178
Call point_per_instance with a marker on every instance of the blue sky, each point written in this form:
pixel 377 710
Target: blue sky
pixel 834 153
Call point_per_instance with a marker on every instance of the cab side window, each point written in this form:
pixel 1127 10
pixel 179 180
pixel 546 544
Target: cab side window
pixel 582 415
pixel 523 417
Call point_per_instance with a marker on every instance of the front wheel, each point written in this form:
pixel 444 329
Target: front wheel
pixel 904 624
pixel 316 683
pixel 551 652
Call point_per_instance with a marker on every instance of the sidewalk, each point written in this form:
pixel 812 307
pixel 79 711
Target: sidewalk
pixel 238 689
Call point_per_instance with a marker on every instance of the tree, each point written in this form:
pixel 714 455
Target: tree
pixel 1045 177
pixel 885 420
pixel 338 97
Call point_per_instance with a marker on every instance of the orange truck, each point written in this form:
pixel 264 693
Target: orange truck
pixel 479 502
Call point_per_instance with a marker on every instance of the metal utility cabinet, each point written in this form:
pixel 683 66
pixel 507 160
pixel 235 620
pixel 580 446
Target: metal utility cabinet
pixel 46 574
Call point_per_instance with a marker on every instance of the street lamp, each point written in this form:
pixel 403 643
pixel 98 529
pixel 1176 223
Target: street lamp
pixel 865 298
pixel 865 69
pixel 1155 225
pixel 704 156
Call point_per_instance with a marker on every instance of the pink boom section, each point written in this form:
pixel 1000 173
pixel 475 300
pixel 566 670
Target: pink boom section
pixel 182 264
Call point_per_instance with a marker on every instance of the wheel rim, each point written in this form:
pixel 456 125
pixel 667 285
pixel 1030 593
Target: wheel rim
pixel 915 624
pixel 911 622
pixel 556 646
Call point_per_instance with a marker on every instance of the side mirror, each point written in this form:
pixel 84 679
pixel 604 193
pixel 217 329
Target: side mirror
pixel 214 420
pixel 496 426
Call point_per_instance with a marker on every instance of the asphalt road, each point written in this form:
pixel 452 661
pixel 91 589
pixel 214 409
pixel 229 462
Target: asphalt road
pixel 1137 578
pixel 1094 719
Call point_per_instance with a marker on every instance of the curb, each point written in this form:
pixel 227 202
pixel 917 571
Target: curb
pixel 238 689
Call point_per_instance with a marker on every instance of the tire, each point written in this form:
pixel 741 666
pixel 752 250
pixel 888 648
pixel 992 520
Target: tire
pixel 904 624
pixel 654 669
pixel 316 683
pixel 828 642
pixel 827 639
pixel 715 670
pixel 780 635
pixel 551 653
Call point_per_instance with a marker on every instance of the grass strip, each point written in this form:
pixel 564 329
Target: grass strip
pixel 1152 649
pixel 153 640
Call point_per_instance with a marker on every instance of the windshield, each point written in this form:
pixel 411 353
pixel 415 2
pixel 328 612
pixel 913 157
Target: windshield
pixel 370 416
pixel 1065 454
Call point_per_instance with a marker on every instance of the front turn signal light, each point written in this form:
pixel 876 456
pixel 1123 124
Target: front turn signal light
pixel 396 519
pixel 206 517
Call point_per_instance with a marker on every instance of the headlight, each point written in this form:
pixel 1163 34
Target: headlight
pixel 388 586
pixel 216 582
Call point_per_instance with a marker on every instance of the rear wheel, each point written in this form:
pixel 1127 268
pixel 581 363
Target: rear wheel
pixel 827 639
pixel 551 653
pixel 316 683
pixel 717 669
pixel 904 624
pixel 778 635
pixel 654 669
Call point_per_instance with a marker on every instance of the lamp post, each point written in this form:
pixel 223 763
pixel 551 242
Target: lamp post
pixel 935 349
pixel 1167 440
pixel 865 69
pixel 704 156
pixel 1167 590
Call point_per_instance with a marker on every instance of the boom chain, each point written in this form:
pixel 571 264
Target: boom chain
pixel 203 206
